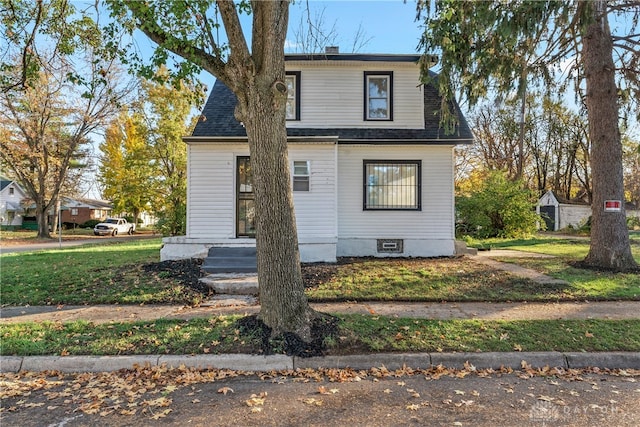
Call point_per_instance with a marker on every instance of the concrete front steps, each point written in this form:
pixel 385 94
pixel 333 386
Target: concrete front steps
pixel 232 289
pixel 231 260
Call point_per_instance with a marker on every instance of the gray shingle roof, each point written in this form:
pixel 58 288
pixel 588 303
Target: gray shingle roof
pixel 218 121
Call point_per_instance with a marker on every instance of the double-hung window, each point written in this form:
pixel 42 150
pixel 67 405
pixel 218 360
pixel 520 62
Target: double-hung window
pixel 301 175
pixel 292 79
pixel 392 185
pixel 378 95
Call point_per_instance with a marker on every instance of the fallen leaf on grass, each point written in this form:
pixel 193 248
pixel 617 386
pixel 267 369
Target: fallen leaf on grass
pixel 459 392
pixel 413 407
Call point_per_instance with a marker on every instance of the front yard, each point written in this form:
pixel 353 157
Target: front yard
pixel 130 273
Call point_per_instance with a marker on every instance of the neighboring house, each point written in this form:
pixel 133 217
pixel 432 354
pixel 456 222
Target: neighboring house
pixel 11 197
pixel 79 211
pixel 372 169
pixel 559 213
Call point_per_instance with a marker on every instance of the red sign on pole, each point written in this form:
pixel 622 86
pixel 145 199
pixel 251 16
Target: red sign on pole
pixel 612 205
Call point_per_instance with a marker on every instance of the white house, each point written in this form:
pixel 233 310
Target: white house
pixel 372 169
pixel 11 197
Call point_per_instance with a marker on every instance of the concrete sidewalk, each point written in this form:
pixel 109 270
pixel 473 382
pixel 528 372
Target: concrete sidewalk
pixel 614 310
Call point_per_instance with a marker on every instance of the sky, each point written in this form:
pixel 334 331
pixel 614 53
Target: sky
pixel 388 26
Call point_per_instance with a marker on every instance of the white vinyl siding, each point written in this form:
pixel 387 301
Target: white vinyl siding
pixel 211 191
pixel 316 216
pixel 332 95
pixel 434 221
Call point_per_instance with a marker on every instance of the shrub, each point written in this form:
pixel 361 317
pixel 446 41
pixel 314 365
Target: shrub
pixel 90 223
pixel 633 222
pixel 498 208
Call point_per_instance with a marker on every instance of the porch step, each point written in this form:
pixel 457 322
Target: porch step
pixel 232 283
pixel 231 260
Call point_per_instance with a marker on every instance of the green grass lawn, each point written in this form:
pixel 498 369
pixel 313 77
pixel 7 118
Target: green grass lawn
pixel 90 274
pixel 115 272
pixel 585 283
pixel 357 334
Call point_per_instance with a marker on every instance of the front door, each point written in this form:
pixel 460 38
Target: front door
pixel 245 209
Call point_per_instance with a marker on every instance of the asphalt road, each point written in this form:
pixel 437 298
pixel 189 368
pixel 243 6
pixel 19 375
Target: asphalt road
pixel 54 244
pixel 499 399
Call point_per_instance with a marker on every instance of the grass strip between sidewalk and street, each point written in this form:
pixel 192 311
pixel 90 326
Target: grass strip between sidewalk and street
pixel 357 334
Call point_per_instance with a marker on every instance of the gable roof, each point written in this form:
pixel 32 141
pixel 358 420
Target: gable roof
pixel 218 114
pixel 5 182
pixel 88 203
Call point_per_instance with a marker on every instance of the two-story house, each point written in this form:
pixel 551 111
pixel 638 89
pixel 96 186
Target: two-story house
pixel 11 197
pixel 372 169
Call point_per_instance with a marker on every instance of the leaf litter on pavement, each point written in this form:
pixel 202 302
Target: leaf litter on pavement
pixel 147 390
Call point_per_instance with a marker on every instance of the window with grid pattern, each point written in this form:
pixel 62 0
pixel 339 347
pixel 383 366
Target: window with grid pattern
pixel 392 185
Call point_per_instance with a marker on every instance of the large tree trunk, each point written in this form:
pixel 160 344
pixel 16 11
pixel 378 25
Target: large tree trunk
pixel 42 216
pixel 261 107
pixel 610 246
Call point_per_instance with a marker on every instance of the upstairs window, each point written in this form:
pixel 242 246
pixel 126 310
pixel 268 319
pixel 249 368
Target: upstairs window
pixel 11 191
pixel 392 185
pixel 378 95
pixel 301 175
pixel 292 79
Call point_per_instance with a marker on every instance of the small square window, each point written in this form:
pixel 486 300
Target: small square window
pixel 378 98
pixel 301 175
pixel 11 191
pixel 74 211
pixel 292 79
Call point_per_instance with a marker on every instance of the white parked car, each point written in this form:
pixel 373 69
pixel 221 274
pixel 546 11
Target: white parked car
pixel 114 226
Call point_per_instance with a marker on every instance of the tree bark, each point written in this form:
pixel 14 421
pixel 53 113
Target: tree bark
pixel 43 220
pixel 261 107
pixel 610 246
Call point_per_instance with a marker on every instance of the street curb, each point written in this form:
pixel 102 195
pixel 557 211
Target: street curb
pixel 392 361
